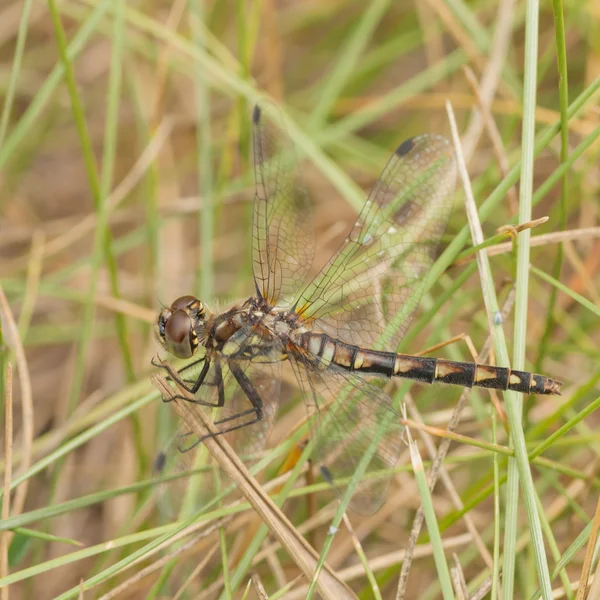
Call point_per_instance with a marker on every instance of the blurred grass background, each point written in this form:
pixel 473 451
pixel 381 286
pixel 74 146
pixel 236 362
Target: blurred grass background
pixel 126 180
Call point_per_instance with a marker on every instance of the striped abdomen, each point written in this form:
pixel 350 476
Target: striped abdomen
pixel 423 369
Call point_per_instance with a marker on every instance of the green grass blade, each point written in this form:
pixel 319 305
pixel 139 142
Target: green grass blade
pixel 514 407
pixel 443 571
pixel 563 94
pixel 45 93
pixel 15 71
pixel 349 55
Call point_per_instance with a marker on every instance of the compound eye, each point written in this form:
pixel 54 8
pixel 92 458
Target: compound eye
pixel 163 317
pixel 178 330
pixel 183 302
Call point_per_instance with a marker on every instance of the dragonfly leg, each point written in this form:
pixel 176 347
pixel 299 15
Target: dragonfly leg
pixel 176 375
pixel 191 365
pixel 257 418
pixel 247 388
pixel 236 416
pixel 182 447
pixel 202 376
pixel 171 375
pixel 198 383
pixel 218 383
pixel 253 397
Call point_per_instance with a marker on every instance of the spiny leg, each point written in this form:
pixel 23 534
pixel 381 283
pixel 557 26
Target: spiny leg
pixel 220 422
pixel 176 375
pixel 218 383
pixel 199 381
pixel 193 381
pixel 252 395
pixel 171 375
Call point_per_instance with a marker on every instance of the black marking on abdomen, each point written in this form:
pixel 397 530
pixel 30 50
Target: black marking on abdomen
pixel 539 384
pixel 488 376
pixel 345 354
pixel 418 368
pixel 520 381
pixel 375 362
pixel 456 373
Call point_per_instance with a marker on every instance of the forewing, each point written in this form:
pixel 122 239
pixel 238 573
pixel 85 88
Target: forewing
pixel 378 274
pixel 350 421
pixel 283 233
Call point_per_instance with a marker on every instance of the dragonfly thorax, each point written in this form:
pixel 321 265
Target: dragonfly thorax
pixel 181 326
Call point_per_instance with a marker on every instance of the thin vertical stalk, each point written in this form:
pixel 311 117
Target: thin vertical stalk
pixel 518 469
pixel 497 515
pixel 513 400
pixel 563 95
pixel 103 241
pixel 22 129
pixel 335 81
pixel 204 275
pixel 15 70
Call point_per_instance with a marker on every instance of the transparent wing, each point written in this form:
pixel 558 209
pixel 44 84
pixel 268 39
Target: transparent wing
pixel 283 233
pixel 351 421
pixel 378 274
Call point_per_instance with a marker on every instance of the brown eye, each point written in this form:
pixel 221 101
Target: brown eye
pixel 177 335
pixel 183 302
pixel 178 327
pixel 178 324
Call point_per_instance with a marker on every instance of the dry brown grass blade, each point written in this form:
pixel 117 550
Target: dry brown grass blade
pixel 8 441
pixel 199 568
pixel 448 483
pixel 12 333
pixel 389 561
pixel 540 240
pixel 594 587
pixel 259 589
pixel 255 523
pixel 589 556
pixel 298 548
pixel 436 467
pixel 513 230
pixel 129 585
pixel 436 347
pixel 494 137
pixel 457 31
pixel 461 100
pixel 458 579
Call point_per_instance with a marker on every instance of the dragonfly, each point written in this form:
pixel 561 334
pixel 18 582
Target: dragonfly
pixel 338 330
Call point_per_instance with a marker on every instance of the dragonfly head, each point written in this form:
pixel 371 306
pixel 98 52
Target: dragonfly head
pixel 179 326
